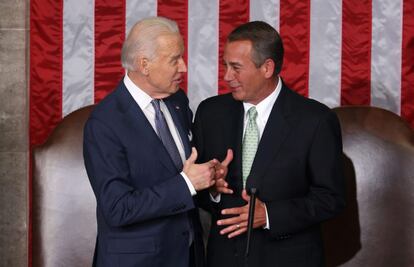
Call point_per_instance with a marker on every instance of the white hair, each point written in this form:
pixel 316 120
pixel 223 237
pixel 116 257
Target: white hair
pixel 142 39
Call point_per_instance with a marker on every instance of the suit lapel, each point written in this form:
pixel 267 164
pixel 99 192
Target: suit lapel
pixel 178 117
pixel 276 130
pixel 146 135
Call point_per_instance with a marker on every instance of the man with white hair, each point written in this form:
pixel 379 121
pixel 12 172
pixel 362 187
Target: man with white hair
pixel 139 160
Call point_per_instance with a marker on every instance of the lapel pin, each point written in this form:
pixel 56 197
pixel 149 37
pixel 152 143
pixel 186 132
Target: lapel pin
pixel 177 107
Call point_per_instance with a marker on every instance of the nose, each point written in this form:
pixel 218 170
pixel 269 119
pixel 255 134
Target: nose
pixel 228 74
pixel 181 65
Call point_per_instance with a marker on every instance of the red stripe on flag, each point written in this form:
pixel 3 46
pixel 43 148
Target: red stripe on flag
pixel 45 68
pixel 356 52
pixel 177 10
pixel 232 13
pixel 295 33
pixel 407 69
pixel 109 36
pixel 45 108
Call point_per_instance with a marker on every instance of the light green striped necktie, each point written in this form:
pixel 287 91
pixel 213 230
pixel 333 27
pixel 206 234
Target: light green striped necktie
pixel 250 143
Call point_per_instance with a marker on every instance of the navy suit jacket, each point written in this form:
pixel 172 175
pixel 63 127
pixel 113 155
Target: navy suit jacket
pixel 297 171
pixel 144 206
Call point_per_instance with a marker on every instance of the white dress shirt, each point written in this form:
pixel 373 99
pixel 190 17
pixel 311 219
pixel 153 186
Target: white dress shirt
pixel 144 102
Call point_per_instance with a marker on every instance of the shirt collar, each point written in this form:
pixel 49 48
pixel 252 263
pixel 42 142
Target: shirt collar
pixel 141 98
pixel 265 106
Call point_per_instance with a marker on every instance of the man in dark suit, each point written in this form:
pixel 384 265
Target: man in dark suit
pixel 136 143
pixel 268 137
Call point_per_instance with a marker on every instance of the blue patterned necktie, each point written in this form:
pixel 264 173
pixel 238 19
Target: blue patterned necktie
pixel 164 134
pixel 250 143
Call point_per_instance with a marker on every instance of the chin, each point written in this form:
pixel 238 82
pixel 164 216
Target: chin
pixel 237 96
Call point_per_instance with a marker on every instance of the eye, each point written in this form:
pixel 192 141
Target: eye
pixel 175 60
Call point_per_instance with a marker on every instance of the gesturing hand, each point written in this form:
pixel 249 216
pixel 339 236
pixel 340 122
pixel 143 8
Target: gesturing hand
pixel 202 175
pixel 237 224
pixel 221 186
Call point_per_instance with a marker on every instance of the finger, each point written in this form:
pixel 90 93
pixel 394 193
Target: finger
pixel 221 182
pixel 220 174
pixel 245 196
pixel 231 221
pixel 219 170
pixel 222 187
pixel 238 232
pixel 233 227
pixel 193 156
pixel 238 210
pixel 229 157
pixel 229 229
pixel 223 190
pixel 212 163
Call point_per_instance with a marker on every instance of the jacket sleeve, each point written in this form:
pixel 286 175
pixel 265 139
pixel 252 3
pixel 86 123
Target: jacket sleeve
pixel 326 195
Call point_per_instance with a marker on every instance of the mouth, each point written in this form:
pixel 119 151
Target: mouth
pixel 235 88
pixel 178 80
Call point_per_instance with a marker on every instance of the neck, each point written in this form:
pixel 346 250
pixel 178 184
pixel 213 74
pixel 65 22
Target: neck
pixel 268 87
pixel 142 82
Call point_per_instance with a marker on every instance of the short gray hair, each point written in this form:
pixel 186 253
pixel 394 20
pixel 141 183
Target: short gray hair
pixel 141 39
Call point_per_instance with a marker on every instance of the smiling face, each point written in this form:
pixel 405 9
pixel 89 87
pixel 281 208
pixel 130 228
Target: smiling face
pixel 164 72
pixel 247 82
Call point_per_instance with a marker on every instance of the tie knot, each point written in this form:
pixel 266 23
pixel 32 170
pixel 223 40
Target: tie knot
pixel 252 113
pixel 156 104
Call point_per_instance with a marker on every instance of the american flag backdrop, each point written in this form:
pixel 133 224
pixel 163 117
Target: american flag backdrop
pixel 340 52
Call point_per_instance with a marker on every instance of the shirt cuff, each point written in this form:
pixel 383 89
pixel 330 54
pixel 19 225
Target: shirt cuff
pixel 189 184
pixel 215 199
pixel 267 226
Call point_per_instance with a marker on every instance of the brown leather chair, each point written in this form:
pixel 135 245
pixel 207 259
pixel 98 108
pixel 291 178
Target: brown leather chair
pixel 377 226
pixel 64 223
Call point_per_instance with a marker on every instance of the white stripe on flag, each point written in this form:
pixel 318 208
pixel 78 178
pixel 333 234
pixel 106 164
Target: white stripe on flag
pixel 265 10
pixel 202 50
pixel 137 10
pixel 78 55
pixel 386 54
pixel 325 51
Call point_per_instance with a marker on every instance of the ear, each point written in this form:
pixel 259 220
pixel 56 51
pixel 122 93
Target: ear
pixel 268 68
pixel 143 65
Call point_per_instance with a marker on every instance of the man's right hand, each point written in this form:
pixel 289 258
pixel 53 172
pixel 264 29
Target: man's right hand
pixel 221 186
pixel 202 175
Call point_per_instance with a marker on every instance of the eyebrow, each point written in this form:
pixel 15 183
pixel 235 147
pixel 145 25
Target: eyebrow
pixel 175 57
pixel 233 64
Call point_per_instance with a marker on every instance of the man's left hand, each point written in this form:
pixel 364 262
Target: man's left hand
pixel 238 224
